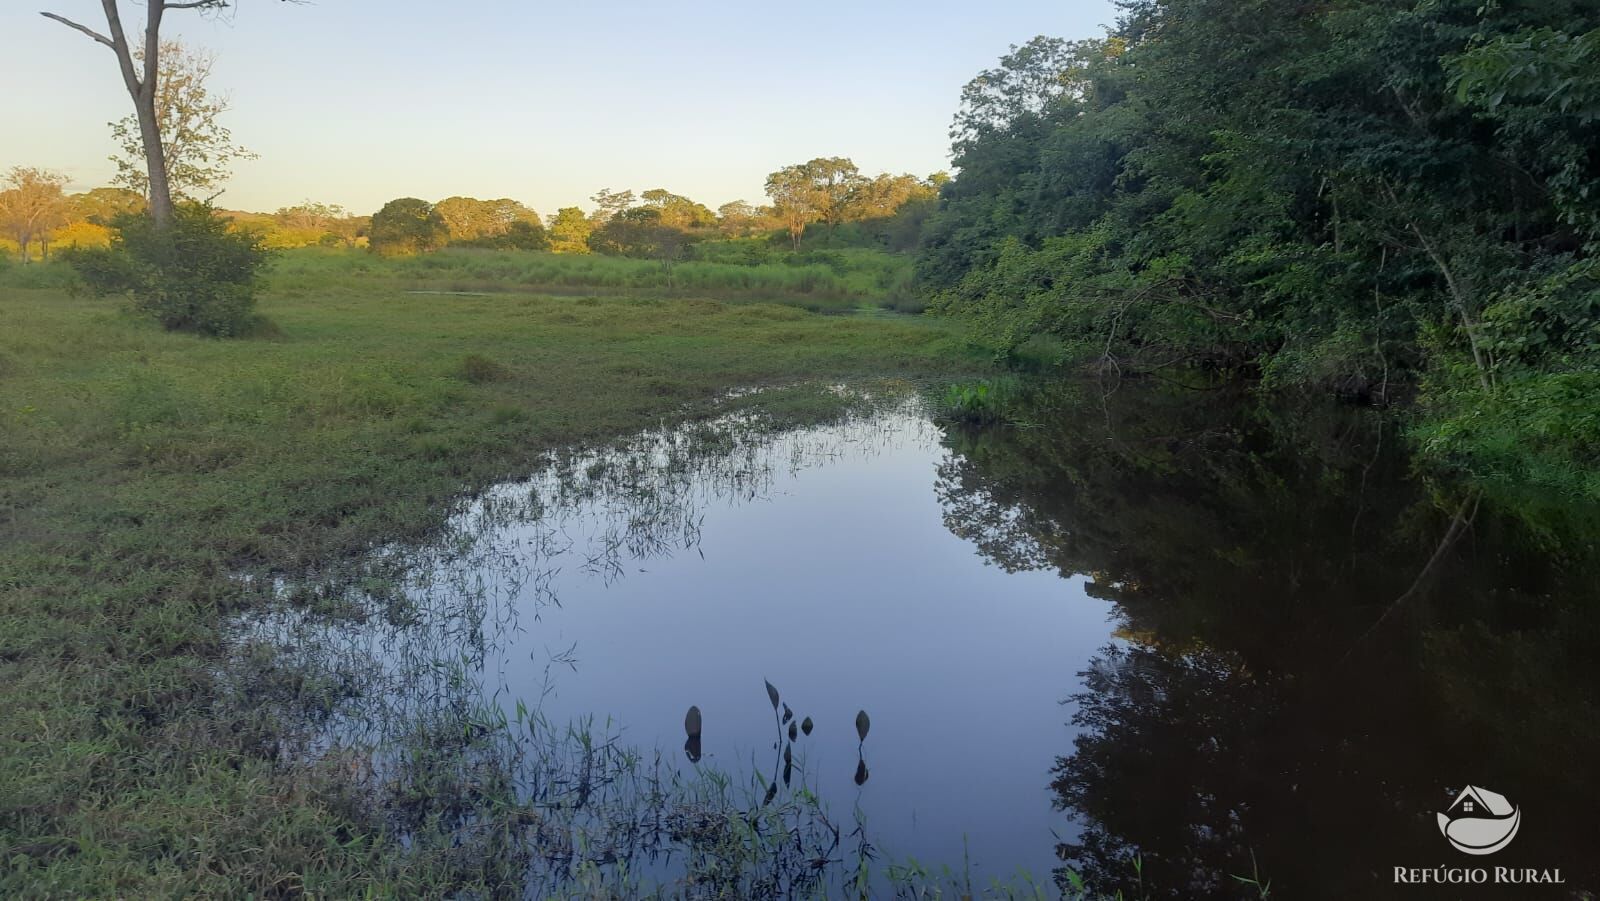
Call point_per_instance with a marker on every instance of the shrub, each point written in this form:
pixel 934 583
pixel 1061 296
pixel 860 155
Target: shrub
pixel 195 275
pixel 977 403
pixel 480 369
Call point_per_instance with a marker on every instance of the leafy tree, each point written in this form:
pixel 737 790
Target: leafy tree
pixel 471 220
pixel 835 182
pixel 643 232
pixel 884 196
pixel 792 200
pixel 198 149
pixel 569 231
pixel 523 234
pixel 140 69
pixel 678 211
pixel 310 215
pixel 608 203
pixel 325 224
pixel 102 205
pixel 32 205
pixel 1348 196
pixel 736 218
pixel 407 226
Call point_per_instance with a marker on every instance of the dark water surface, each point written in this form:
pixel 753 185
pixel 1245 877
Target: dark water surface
pixel 1161 625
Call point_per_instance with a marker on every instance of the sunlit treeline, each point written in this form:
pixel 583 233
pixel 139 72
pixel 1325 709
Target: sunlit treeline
pixel 37 215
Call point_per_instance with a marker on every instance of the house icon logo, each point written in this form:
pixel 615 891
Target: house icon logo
pixel 1480 821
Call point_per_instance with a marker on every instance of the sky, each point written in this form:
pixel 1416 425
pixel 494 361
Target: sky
pixel 356 102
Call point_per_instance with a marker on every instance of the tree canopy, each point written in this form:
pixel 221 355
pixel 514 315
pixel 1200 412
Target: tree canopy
pixel 1351 195
pixel 408 226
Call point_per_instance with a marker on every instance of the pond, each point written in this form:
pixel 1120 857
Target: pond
pixel 1171 640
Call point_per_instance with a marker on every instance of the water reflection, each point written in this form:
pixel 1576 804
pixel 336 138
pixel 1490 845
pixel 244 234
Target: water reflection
pixel 478 681
pixel 1316 645
pixel 1280 650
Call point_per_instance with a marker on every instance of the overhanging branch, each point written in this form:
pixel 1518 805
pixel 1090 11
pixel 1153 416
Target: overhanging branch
pixel 100 38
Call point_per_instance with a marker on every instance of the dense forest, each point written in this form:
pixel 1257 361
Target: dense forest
pixel 1365 197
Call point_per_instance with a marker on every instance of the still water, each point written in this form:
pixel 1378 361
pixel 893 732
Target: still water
pixel 1167 639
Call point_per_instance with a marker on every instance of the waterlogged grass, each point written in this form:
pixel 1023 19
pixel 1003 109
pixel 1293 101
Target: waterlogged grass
pixel 821 281
pixel 140 469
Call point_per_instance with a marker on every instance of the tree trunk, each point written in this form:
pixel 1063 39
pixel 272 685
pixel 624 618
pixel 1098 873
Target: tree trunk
pixel 155 156
pixel 144 103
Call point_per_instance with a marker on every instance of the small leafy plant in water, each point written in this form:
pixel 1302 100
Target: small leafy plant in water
pixel 979 403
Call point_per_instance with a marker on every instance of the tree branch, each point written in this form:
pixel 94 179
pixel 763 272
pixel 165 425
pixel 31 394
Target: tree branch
pixel 100 38
pixel 119 43
pixel 152 43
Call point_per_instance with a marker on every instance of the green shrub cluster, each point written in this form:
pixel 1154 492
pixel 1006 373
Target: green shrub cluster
pixel 196 274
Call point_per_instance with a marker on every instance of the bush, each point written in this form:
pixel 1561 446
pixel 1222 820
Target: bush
pixel 977 403
pixel 480 369
pixel 196 275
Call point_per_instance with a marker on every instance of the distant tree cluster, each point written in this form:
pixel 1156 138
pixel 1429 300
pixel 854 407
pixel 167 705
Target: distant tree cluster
pixel 832 190
pixel 409 226
pixel 309 222
pixel 36 213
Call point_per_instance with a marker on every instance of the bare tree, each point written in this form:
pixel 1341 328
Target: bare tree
pixel 140 68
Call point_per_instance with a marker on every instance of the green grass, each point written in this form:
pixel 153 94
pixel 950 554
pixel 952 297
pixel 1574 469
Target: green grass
pixel 820 281
pixel 138 469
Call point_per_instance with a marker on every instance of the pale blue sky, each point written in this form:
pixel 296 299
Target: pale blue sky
pixel 359 101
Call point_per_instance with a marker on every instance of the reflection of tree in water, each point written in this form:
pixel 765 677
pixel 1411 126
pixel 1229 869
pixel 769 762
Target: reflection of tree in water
pixel 1250 710
pixel 389 671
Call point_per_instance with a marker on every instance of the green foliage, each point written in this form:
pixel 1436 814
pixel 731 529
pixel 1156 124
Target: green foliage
pixel 196 275
pixel 1349 197
pixel 407 226
pixel 569 231
pixel 831 190
pixel 977 403
pixel 1541 424
pixel 642 233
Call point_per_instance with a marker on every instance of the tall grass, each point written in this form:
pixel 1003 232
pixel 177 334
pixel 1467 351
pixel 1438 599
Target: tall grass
pixel 823 281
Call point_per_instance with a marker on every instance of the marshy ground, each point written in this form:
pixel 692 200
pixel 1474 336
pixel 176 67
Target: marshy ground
pixel 142 470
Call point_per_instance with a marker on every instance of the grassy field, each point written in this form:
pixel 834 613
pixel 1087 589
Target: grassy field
pixel 826 281
pixel 139 469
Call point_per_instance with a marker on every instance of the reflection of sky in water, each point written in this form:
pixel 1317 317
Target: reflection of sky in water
pixel 819 561
pixel 841 585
